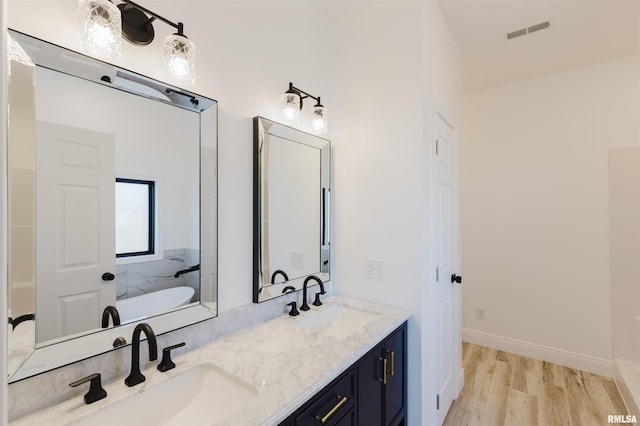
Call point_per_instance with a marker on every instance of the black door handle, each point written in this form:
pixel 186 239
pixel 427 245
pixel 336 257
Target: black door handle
pixel 456 279
pixel 108 276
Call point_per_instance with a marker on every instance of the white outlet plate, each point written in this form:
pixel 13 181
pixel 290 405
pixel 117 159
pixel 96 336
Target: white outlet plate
pixel 374 269
pixel 480 313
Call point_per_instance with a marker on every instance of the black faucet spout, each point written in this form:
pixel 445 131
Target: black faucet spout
pixel 136 376
pixel 305 305
pixel 110 311
pixel 317 302
pixel 279 272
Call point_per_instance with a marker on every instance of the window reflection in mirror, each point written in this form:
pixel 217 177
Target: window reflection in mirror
pixel 135 217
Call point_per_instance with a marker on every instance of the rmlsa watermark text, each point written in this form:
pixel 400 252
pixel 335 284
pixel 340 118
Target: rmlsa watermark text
pixel 621 418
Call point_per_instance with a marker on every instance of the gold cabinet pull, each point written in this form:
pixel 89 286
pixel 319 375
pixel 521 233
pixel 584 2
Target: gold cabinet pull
pixel 341 401
pixel 384 370
pixel 393 362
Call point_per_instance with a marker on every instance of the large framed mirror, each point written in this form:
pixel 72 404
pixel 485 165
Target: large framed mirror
pixel 292 205
pixel 112 206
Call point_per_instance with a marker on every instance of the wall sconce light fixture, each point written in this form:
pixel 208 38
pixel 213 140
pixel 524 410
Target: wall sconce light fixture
pixel 102 25
pixel 292 105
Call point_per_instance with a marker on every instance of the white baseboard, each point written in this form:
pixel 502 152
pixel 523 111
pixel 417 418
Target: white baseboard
pixel 625 376
pixel 544 353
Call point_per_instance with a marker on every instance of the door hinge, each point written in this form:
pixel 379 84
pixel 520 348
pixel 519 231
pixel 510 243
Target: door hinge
pixel 437 146
pixel 437 402
pixel 437 273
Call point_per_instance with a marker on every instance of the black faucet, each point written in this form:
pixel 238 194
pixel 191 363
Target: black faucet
pixel 136 376
pixel 305 306
pixel 115 316
pixel 186 271
pixel 280 272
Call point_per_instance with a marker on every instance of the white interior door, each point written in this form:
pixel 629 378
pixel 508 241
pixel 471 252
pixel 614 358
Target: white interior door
pixel 447 318
pixel 75 228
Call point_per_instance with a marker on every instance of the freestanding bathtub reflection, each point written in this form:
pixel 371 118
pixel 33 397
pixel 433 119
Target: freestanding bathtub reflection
pixel 157 302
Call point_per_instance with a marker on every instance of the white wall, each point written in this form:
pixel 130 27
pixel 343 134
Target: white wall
pixel 385 74
pixel 377 164
pixel 535 223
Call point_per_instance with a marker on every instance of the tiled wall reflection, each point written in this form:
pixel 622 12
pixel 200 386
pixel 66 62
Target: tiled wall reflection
pixel 135 279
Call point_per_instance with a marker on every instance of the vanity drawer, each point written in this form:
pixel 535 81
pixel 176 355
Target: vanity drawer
pixel 334 405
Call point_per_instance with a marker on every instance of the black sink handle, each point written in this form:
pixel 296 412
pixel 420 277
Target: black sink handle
pixel 96 392
pixel 294 309
pixel 167 364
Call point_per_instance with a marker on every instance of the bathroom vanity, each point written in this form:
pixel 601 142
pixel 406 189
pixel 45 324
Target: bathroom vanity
pixel 371 392
pixel 285 371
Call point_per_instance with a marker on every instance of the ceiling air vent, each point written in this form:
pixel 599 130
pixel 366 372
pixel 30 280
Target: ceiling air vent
pixel 529 30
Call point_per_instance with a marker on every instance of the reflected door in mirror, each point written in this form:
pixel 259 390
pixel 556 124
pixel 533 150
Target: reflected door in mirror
pixel 75 228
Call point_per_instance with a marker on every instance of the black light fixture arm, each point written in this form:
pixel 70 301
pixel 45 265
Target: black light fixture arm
pixel 300 92
pixel 179 26
pixel 194 101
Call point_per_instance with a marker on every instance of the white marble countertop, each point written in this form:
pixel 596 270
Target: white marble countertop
pixel 287 364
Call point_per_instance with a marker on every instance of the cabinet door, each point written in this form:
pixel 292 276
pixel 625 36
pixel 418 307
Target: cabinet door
pixel 395 388
pixel 370 376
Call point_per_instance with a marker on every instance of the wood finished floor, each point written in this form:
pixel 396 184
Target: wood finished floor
pixel 505 389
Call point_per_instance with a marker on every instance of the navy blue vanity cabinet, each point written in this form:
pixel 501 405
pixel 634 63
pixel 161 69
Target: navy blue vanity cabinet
pixel 382 378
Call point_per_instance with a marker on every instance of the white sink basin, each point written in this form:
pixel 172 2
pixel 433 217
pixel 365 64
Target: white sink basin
pixel 201 395
pixel 337 321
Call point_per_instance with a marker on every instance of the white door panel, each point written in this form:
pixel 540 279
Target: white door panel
pixel 74 306
pixel 79 228
pixel 447 320
pixel 75 235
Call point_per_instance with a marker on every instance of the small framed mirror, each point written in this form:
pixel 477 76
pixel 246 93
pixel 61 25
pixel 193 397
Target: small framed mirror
pixel 292 208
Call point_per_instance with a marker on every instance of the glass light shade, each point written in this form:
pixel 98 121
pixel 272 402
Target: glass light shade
pixel 291 106
pixel 180 59
pixel 319 119
pixel 100 28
